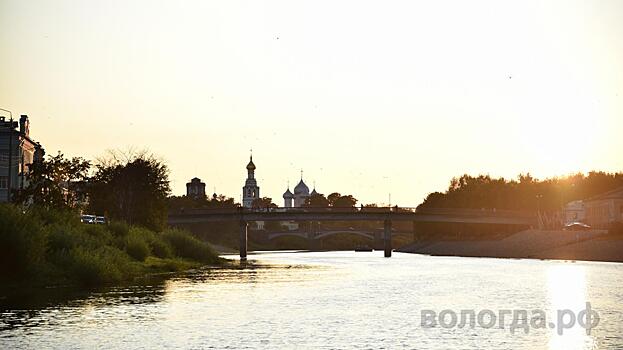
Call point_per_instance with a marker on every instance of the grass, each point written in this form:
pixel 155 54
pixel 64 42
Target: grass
pixel 43 247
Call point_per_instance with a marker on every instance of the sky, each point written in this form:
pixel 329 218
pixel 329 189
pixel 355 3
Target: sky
pixel 368 98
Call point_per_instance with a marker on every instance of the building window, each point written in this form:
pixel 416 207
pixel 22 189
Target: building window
pixel 4 182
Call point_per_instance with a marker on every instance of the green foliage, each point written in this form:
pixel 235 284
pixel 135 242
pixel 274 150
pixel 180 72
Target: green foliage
pixel 161 249
pixel 264 202
pixel 187 246
pixel 333 200
pixel 136 247
pixel 22 244
pixel 42 247
pixel 119 228
pixel 525 193
pixel 316 200
pixel 55 182
pixel 132 188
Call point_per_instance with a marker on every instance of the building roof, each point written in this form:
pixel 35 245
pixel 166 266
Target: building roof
pixel 301 188
pixel 251 166
pixel 614 194
pixel 288 194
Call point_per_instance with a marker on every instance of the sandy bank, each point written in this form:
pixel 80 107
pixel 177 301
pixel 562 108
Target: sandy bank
pixel 567 245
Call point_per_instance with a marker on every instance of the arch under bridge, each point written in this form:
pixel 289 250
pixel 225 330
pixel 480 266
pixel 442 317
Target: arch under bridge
pixel 315 215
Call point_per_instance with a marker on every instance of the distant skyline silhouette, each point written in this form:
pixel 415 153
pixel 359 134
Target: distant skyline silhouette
pixel 368 99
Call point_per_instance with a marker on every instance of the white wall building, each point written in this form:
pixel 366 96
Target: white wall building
pixel 574 212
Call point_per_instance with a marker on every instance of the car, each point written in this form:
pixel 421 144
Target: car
pixel 100 220
pixel 87 219
pixel 576 226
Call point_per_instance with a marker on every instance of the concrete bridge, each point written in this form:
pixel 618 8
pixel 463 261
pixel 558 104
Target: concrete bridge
pixel 321 234
pixel 386 215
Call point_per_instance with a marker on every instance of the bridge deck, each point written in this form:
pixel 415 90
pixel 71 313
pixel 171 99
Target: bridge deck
pixel 354 214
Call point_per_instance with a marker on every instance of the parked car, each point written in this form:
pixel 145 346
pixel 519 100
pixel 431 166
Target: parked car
pixel 93 219
pixel 88 219
pixel 577 226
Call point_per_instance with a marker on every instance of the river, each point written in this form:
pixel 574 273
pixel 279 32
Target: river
pixel 333 300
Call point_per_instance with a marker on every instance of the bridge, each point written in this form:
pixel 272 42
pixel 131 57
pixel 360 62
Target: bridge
pixel 321 234
pixel 384 214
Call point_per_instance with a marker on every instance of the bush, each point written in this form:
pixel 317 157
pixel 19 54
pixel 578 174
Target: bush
pixel 119 228
pixel 187 246
pixel 22 244
pixel 161 248
pixel 137 248
pixel 93 267
pixel 40 247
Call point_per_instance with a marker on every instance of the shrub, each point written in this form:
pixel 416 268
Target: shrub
pixel 161 248
pixel 103 265
pixel 60 239
pixel 137 248
pixel 187 246
pixel 22 244
pixel 119 228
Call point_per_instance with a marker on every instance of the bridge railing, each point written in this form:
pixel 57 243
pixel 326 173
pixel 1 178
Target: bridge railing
pixel 321 210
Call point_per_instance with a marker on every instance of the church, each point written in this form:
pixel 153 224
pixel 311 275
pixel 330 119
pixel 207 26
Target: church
pixel 300 195
pixel 251 191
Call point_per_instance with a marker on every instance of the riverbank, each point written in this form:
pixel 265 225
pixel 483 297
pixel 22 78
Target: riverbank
pixel 41 248
pixel 596 245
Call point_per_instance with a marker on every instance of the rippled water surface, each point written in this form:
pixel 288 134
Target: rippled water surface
pixel 326 300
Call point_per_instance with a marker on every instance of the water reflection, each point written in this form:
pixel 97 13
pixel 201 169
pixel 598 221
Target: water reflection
pixel 50 307
pixel 566 286
pixel 325 300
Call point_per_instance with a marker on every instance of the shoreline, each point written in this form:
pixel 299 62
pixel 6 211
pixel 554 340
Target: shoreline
pixel 594 245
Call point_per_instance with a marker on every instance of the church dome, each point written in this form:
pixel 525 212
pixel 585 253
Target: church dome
pixel 251 166
pixel 313 192
pixel 301 188
pixel 288 194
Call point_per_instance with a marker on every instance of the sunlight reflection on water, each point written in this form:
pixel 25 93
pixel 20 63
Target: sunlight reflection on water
pixel 329 300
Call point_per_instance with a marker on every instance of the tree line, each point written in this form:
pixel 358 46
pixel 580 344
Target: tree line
pixel 524 193
pixel 128 186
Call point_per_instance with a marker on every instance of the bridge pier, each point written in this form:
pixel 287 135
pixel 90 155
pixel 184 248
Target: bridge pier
pixel 387 237
pixel 314 244
pixel 243 240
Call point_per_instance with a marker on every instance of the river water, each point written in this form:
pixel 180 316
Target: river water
pixel 330 300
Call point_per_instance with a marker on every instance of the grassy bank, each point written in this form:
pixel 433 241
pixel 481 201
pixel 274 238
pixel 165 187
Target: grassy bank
pixel 42 247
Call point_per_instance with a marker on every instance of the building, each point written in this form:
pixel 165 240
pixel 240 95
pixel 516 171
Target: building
pixel 196 189
pixel 604 209
pixel 288 197
pixel 17 152
pixel 300 195
pixel 574 212
pixel 251 190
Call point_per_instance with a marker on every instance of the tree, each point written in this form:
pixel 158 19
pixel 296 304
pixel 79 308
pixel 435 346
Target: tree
pixel 333 197
pixel 316 200
pixel 131 187
pixel 337 200
pixel 55 182
pixel 264 202
pixel 346 201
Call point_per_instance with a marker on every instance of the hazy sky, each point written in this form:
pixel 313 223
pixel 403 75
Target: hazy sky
pixel 367 97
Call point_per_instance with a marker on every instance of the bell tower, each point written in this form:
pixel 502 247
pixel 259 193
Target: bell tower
pixel 251 190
